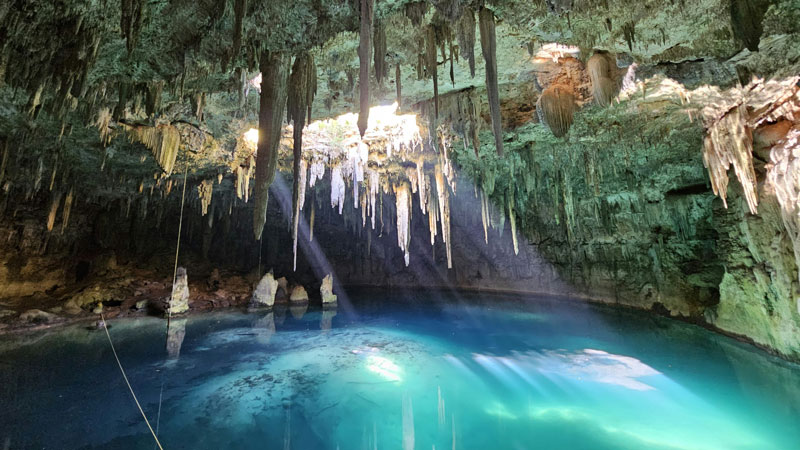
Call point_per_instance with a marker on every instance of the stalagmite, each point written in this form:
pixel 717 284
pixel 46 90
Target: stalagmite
pixel 326 291
pixel 466 37
pixel 364 49
pixel 205 190
pixel 555 108
pixel 403 202
pixel 444 211
pixel 67 210
pixel 489 48
pixel 604 88
pixel 274 74
pixel 302 88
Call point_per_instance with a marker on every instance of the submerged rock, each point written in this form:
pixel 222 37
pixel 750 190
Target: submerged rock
pixel 175 334
pixel 298 295
pixel 264 295
pixel 326 290
pixel 179 300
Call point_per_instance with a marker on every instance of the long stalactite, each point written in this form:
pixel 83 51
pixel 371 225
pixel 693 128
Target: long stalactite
pixel 274 74
pixel 302 88
pixel 489 48
pixel 364 49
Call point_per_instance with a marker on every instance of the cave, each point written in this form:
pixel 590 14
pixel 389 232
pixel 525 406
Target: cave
pixel 462 224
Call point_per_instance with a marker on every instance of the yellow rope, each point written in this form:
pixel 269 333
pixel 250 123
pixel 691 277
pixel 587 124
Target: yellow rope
pixel 113 350
pixel 178 245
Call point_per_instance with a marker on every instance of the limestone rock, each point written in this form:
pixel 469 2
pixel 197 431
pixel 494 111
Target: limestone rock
pixel 283 289
pixel 264 295
pixel 38 316
pixel 298 295
pixel 178 302
pixel 326 290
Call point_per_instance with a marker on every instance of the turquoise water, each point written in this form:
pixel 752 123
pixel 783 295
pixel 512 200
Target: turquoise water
pixel 418 370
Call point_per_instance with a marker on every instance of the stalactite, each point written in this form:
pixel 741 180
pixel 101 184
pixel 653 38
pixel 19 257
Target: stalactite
pixel 337 188
pixel 485 215
pixel 398 82
pixel 423 187
pixel 364 49
pixel 243 174
pixel 555 108
pixel 513 220
pixel 131 21
pixel 604 88
pixel 274 75
pixel 204 191
pixel 374 184
pixel 729 141
pixel 163 141
pixel 444 211
pixel 489 48
pixel 379 51
pixel 433 213
pixel 153 101
pixel 302 88
pixel 239 11
pixel 431 66
pixel 55 202
pixel 403 202
pixel 311 221
pixel 416 12
pixel 66 211
pixel 315 172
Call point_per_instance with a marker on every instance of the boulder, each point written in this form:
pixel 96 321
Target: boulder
pixel 38 316
pixel 298 295
pixel 264 294
pixel 178 302
pixel 283 290
pixel 326 290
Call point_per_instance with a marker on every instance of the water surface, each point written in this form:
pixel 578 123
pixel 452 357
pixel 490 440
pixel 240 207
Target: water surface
pixel 401 371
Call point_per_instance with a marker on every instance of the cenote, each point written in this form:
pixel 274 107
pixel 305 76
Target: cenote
pixel 414 370
pixel 399 224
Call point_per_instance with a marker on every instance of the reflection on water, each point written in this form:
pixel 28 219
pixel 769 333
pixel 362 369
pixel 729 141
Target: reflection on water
pixel 468 373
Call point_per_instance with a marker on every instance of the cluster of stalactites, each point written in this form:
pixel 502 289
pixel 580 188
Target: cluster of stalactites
pixel 601 67
pixel 163 140
pixel 555 108
pixel 243 174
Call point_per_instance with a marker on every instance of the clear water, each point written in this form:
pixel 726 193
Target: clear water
pixel 411 371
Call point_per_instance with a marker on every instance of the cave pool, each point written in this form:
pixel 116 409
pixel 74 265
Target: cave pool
pixel 422 370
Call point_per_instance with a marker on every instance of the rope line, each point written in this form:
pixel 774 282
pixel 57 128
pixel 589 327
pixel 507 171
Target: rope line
pixel 178 245
pixel 130 388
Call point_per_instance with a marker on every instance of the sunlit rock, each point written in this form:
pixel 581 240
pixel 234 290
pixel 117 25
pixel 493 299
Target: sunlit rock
pixel 326 290
pixel 178 302
pixel 264 294
pixel 298 295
